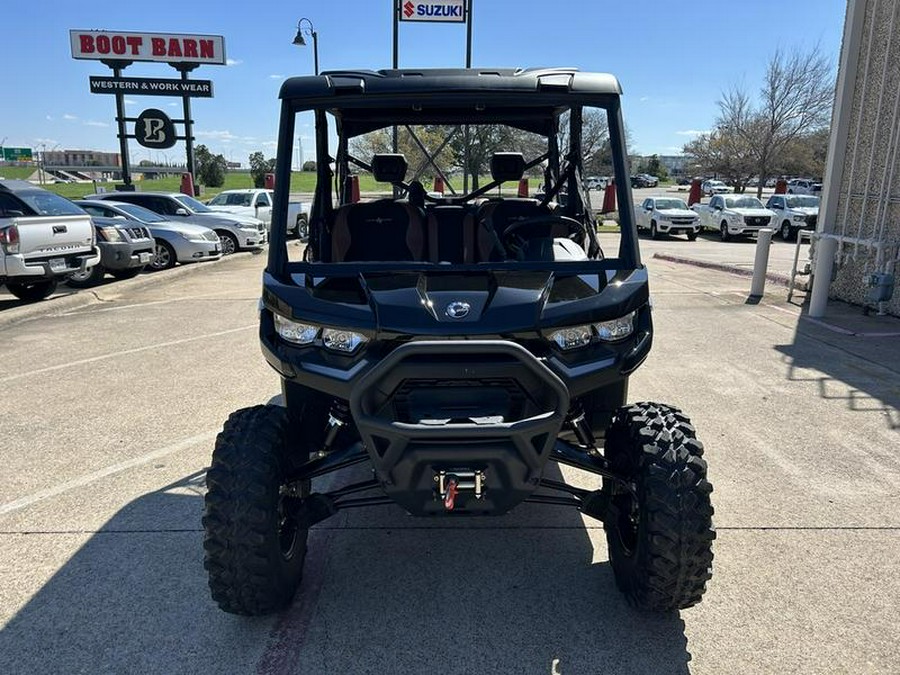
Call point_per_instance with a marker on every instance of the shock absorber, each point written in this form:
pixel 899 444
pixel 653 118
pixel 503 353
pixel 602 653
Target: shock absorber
pixel 576 421
pixel 338 417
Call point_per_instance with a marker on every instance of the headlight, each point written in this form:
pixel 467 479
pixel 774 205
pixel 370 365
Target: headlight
pixel 194 236
pixel 294 331
pixel 250 228
pixel 662 217
pixel 610 331
pixel 799 219
pixel 110 234
pixel 339 340
pixel 571 338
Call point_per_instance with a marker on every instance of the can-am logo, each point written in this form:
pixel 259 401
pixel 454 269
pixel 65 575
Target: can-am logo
pixel 438 10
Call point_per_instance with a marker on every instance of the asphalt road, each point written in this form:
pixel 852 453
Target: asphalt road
pixel 109 415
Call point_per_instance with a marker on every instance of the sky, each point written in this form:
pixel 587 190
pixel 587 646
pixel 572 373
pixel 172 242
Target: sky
pixel 673 59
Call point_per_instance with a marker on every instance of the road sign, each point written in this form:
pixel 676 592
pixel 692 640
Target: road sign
pixel 448 11
pixel 154 129
pixel 17 155
pixel 100 45
pixel 151 86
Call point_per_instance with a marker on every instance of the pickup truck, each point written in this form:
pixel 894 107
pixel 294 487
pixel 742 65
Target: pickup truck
pixel 734 215
pixel 794 213
pixel 258 203
pixel 43 239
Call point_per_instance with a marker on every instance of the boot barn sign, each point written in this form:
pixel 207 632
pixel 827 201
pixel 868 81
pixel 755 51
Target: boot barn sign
pixel 161 47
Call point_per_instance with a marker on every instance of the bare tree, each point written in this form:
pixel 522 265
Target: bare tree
pixel 722 152
pixel 796 99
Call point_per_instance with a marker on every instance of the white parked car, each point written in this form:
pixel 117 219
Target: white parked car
pixel 734 215
pixel 258 203
pixel 794 213
pixel 803 186
pixel 713 187
pixel 667 215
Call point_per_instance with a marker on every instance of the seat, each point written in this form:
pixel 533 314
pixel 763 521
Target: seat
pixel 382 230
pixel 451 235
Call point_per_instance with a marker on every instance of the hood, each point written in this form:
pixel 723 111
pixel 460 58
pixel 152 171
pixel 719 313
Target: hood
pixel 490 303
pixel 805 210
pixel 239 210
pixel 214 219
pixel 678 213
pixel 752 212
pixel 179 226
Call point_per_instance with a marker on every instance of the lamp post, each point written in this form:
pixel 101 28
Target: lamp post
pixel 300 41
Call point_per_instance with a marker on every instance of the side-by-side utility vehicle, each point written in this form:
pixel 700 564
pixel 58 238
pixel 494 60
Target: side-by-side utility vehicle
pixel 457 346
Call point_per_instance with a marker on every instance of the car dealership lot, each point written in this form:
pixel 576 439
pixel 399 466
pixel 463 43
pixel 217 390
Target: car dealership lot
pixel 111 412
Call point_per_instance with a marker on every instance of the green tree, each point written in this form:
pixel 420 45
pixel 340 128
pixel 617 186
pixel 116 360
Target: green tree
pixel 210 168
pixel 309 165
pixel 259 167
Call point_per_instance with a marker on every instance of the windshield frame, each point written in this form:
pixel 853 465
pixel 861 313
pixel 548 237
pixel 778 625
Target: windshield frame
pixel 127 208
pixel 34 199
pixel 734 202
pixel 193 205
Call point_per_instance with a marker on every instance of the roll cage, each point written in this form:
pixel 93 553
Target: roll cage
pixel 533 100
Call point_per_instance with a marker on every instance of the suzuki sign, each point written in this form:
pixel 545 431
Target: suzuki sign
pixel 100 45
pixel 449 11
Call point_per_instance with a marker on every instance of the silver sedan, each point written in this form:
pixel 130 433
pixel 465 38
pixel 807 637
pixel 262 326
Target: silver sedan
pixel 175 242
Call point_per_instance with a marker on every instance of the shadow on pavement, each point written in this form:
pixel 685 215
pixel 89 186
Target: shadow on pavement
pixel 861 371
pixel 382 592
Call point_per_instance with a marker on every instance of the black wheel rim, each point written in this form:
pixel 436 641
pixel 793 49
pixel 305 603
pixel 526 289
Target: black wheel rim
pixel 288 529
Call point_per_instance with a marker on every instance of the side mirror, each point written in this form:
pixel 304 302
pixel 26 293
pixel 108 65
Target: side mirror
pixel 15 213
pixel 181 212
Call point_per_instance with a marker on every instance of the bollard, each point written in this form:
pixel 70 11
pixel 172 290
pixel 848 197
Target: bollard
pixel 438 184
pixel 609 198
pixel 780 186
pixel 761 262
pixel 270 181
pixel 351 189
pixel 825 250
pixel 695 194
pixel 523 188
pixel 187 184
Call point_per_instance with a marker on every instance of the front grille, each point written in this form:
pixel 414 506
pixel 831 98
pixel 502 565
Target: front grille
pixel 682 221
pixel 811 220
pixel 756 221
pixel 137 232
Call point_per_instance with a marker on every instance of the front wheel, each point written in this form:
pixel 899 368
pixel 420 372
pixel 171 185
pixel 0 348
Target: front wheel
pixel 692 236
pixel 254 547
pixel 786 232
pixel 164 256
pixel 32 291
pixel 723 231
pixel 654 232
pixel 659 528
pixel 130 273
pixel 228 241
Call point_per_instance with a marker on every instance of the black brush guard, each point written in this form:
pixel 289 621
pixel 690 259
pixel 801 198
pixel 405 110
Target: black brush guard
pixel 483 413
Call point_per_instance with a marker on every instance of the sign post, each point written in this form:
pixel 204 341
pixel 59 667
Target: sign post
pixel 118 50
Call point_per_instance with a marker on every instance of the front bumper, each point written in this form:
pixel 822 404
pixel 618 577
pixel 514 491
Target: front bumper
pixel 669 227
pixel 257 239
pixel 193 251
pixel 125 255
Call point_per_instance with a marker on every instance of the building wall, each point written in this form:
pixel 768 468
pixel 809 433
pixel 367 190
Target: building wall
pixel 861 196
pixel 81 158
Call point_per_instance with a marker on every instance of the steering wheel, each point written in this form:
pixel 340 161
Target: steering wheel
pixel 539 226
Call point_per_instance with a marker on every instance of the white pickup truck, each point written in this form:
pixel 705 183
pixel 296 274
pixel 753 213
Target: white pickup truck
pixel 258 202
pixel 734 215
pixel 43 239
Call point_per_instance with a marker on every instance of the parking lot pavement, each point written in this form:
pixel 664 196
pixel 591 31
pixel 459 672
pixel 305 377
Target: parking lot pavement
pixel 107 432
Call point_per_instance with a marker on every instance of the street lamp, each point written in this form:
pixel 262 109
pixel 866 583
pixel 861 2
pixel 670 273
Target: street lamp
pixel 300 41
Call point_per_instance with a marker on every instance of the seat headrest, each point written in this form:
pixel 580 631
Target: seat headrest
pixel 507 166
pixel 388 168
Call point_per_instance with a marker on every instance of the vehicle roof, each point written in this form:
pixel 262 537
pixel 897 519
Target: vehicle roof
pixel 235 191
pixel 156 193
pixel 529 99
pixel 13 185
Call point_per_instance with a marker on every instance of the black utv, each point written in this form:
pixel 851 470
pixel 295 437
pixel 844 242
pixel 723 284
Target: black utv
pixel 455 342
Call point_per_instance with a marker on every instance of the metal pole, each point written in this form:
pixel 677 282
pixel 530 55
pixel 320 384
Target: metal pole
pixel 761 262
pixel 315 37
pixel 466 128
pixel 396 62
pixel 188 130
pixel 123 141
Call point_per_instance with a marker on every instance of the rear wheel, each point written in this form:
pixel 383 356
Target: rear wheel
pixel 32 291
pixel 90 277
pixel 254 547
pixel 660 531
